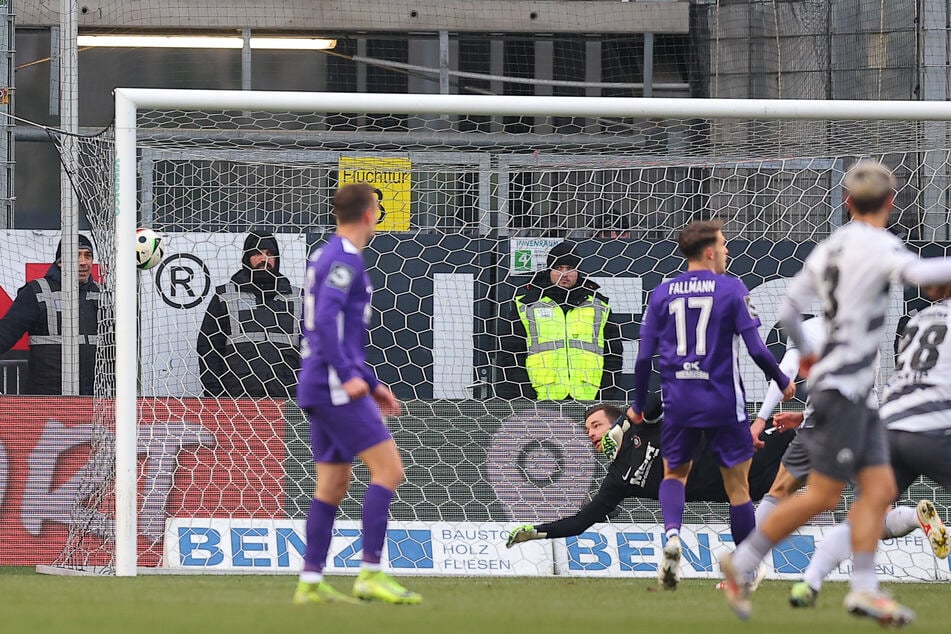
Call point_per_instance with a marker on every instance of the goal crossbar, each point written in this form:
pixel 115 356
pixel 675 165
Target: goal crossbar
pixel 511 105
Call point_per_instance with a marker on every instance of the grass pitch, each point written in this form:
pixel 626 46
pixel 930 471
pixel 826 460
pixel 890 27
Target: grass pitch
pixel 32 603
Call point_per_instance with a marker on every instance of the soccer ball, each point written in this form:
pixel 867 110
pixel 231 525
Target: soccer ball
pixel 148 249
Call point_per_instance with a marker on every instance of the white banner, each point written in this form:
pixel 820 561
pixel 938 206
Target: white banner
pixel 634 550
pixel 478 549
pixel 174 295
pixel 422 548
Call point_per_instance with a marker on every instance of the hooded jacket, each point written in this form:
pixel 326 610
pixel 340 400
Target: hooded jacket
pixel 249 342
pixel 513 342
pixel 37 311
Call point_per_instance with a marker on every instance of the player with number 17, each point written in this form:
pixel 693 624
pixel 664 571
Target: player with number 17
pixel 695 322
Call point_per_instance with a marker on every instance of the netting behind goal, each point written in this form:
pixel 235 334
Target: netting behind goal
pixel 473 204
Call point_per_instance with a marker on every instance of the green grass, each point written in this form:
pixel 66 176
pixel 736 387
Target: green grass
pixel 31 603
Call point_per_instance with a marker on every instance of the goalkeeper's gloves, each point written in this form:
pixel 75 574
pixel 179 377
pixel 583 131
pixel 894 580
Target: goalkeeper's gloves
pixel 523 533
pixel 611 442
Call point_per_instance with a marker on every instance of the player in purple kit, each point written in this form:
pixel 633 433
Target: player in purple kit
pixel 344 402
pixel 695 322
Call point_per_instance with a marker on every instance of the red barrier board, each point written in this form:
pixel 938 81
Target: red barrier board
pixel 197 458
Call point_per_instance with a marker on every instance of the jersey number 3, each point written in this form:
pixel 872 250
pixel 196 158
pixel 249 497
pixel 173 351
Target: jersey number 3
pixel 678 308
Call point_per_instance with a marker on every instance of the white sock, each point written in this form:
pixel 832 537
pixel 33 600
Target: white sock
pixel 748 555
pixel 309 576
pixel 835 547
pixel 863 573
pixel 765 507
pixel 673 532
pixel 900 521
pixel 366 565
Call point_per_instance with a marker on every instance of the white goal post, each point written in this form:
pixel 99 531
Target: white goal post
pixel 130 102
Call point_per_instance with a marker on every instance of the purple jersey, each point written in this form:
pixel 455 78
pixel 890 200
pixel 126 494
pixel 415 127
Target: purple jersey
pixel 336 314
pixel 694 322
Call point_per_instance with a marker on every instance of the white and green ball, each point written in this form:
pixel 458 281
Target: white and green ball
pixel 148 249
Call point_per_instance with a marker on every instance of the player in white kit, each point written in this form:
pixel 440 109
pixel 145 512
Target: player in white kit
pixel 916 411
pixel 850 272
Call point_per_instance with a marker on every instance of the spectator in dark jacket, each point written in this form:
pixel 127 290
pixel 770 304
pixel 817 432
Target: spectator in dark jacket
pixel 37 311
pixel 558 340
pixel 249 343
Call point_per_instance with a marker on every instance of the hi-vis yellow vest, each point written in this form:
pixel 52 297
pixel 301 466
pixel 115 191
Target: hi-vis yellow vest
pixel 565 352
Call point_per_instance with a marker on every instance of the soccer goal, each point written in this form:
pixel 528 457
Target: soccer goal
pixel 476 190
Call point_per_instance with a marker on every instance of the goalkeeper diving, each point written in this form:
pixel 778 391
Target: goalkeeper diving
pixel 636 470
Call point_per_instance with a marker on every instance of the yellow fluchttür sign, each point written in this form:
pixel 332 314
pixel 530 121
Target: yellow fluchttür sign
pixel 392 177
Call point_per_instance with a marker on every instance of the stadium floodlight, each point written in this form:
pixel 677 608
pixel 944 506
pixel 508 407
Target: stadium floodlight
pixel 205 41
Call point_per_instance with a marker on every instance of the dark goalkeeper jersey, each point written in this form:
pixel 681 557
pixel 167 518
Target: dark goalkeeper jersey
pixel 638 470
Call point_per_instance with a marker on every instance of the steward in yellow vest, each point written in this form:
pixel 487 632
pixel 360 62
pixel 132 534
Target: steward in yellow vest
pixel 559 341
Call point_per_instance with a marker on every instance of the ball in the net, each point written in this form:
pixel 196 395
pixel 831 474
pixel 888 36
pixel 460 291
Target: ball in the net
pixel 148 249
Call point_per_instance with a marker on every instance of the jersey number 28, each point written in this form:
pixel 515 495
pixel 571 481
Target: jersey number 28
pixel 923 356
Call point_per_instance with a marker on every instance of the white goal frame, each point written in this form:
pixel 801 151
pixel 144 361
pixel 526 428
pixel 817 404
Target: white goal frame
pixel 128 102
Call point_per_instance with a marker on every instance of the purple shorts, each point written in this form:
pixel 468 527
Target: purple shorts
pixel 730 444
pixel 338 433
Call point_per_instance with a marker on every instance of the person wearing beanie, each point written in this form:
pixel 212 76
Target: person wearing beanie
pixel 559 340
pixel 249 342
pixel 37 311
pixel 85 244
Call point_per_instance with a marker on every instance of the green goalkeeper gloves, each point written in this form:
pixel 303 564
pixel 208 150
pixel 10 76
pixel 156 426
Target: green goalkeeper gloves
pixel 611 442
pixel 523 533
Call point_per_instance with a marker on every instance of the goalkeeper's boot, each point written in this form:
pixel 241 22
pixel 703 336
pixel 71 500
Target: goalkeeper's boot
pixel 321 592
pixel 878 606
pixel 376 585
pixel 668 573
pixel 736 590
pixel 934 529
pixel 519 534
pixel 802 595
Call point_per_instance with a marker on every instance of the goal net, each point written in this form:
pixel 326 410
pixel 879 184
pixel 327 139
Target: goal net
pixel 476 191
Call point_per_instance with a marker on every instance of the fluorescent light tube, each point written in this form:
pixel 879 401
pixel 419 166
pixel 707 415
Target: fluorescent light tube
pixel 204 41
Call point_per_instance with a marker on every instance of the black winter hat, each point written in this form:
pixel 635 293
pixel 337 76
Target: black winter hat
pixel 563 254
pixel 84 242
pixel 257 241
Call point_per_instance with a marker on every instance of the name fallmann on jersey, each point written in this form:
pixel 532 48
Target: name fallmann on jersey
pixel 692 286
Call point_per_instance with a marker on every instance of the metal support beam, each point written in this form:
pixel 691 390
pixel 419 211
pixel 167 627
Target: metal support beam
pixel 648 90
pixel 246 59
pixel 330 16
pixel 544 69
pixel 7 161
pixel 934 173
pixel 592 73
pixel 69 203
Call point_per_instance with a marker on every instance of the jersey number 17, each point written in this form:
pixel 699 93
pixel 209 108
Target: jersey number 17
pixel 678 308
